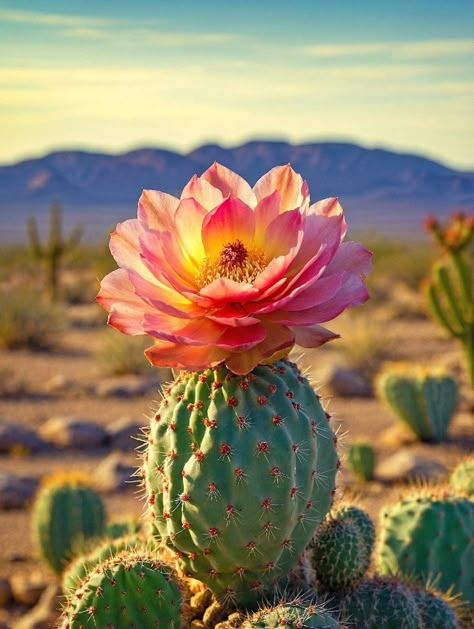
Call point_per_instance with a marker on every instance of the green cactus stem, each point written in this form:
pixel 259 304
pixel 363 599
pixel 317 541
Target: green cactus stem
pixel 294 614
pixel 428 537
pixel 66 514
pixel 131 589
pixel 424 399
pixel 54 249
pixel 361 460
pixel 239 471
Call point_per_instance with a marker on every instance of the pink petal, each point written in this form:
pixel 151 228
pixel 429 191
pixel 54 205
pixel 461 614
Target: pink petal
pixel 283 233
pixel 242 338
pixel 203 192
pixel 223 290
pixel 288 183
pixel 229 183
pixel 313 336
pixel 125 246
pixel 352 257
pixel 277 338
pixel 186 331
pixel 192 357
pixel 156 209
pixel 266 211
pixel 317 292
pixel 232 220
pixel 189 217
pixel 163 257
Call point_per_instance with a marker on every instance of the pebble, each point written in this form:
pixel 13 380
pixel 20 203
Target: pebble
pixel 112 474
pixel 14 438
pixel 346 382
pixel 16 491
pixel 73 432
pixel 408 465
pixel 5 592
pixel 123 433
pixel 27 587
pixel 45 613
pixel 126 387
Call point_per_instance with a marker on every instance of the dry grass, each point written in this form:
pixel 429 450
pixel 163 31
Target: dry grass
pixel 123 355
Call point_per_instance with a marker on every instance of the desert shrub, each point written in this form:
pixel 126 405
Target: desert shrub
pixel 82 289
pixel 15 260
pixel 28 321
pixel 121 354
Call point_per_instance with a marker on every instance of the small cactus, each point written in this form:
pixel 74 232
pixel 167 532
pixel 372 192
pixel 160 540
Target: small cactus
pixel 66 513
pixel 52 252
pixel 435 610
pixel 428 537
pixel 424 399
pixel 131 589
pixel 120 528
pixel 450 292
pixel 342 548
pixel 296 614
pixel 361 460
pixel 462 478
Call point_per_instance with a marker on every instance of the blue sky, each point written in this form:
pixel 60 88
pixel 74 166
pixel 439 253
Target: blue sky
pixel 116 75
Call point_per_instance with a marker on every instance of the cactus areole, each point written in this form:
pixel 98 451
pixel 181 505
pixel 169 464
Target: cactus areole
pixel 239 471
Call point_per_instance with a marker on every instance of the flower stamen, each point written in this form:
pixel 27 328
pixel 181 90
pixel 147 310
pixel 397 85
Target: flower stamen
pixel 236 262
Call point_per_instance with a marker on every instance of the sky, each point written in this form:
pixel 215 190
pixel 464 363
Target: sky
pixel 112 76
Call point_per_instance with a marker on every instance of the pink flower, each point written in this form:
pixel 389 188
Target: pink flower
pixel 234 274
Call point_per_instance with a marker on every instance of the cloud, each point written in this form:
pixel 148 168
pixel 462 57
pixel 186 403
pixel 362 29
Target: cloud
pixel 36 18
pixel 408 50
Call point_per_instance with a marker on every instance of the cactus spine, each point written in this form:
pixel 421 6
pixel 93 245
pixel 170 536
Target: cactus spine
pixel 239 471
pixel 296 614
pixel 66 514
pixel 423 399
pixel 52 252
pixel 450 292
pixel 361 460
pixel 429 538
pixel 131 589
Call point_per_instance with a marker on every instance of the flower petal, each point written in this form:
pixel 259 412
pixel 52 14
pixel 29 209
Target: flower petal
pixel 288 183
pixel 125 308
pixel 156 210
pixel 266 211
pixel 203 192
pixel 189 217
pixel 232 220
pixel 229 183
pixel 225 290
pixel 352 257
pixel 313 336
pixel 191 357
pixel 277 338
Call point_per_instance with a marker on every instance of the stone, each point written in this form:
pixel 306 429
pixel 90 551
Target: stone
pixel 408 465
pixel 126 387
pixel 5 592
pixel 73 432
pixel 58 384
pixel 346 382
pixel 14 437
pixel 16 491
pixel 27 587
pixel 123 433
pixel 114 475
pixel 45 614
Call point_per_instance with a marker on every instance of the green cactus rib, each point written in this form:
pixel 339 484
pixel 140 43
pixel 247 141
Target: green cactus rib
pixel 64 517
pixel 462 478
pixel 430 538
pixel 425 402
pixel 239 471
pixel 131 589
pixel 435 611
pixel 342 548
pixel 361 460
pixel 381 603
pixel 294 614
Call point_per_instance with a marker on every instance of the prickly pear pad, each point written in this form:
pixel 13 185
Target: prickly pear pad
pixel 239 471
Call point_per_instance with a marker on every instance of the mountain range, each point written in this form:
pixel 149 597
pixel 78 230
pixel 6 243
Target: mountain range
pixel 380 190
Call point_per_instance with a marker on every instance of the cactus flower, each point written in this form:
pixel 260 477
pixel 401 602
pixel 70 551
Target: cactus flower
pixel 232 274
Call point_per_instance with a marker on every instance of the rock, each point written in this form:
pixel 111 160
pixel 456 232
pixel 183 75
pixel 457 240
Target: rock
pixel 45 613
pixel 346 382
pixel 406 464
pixel 397 435
pixel 58 384
pixel 73 432
pixel 123 433
pixel 113 474
pixel 27 587
pixel 15 437
pixel 126 387
pixel 5 592
pixel 16 491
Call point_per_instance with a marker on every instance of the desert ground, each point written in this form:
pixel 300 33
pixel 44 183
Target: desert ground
pixel 72 379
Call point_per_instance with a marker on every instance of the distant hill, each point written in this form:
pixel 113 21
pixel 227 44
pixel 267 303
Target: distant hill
pixel 381 190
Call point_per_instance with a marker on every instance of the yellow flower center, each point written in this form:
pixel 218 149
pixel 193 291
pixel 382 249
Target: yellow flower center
pixel 235 262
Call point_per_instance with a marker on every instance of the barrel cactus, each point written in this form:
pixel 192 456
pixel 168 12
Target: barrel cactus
pixel 361 460
pixel 296 614
pixel 342 548
pixel 436 611
pixel 67 513
pixel 131 589
pixel 462 478
pixel 428 536
pixel 424 399
pixel 239 471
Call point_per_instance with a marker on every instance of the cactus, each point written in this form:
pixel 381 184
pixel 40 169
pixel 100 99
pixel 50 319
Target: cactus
pixel 462 478
pixel 381 603
pixel 131 589
pixel 81 565
pixel 342 547
pixel 428 536
pixel 66 513
pixel 121 528
pixel 361 460
pixel 450 292
pixel 436 612
pixel 297 614
pixel 239 471
pixel 423 399
pixel 52 252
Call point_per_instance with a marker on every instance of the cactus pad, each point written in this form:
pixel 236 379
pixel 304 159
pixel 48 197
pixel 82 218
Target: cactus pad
pixel 294 614
pixel 239 471
pixel 361 460
pixel 462 478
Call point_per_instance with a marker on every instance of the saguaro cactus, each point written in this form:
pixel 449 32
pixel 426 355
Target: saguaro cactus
pixel 54 249
pixel 450 292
